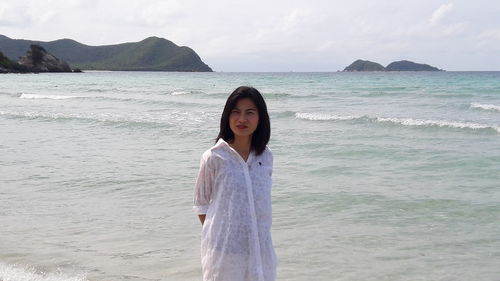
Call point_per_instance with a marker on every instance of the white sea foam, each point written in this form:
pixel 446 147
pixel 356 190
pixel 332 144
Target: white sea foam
pixel 438 123
pixel 52 97
pixel 178 93
pixel 17 273
pixel 485 106
pixel 155 118
pixel 100 117
pixel 324 117
pixel 410 122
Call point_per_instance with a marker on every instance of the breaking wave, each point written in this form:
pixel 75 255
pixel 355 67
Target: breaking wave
pixel 155 119
pixel 490 107
pixel 18 273
pixel 52 97
pixel 178 93
pixel 98 98
pixel 438 123
pixel 324 117
pixel 408 122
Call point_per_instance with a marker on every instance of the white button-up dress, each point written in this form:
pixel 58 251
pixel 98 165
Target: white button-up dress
pixel 235 195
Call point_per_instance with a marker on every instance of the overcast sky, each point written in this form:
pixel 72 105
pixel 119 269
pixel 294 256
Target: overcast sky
pixel 277 35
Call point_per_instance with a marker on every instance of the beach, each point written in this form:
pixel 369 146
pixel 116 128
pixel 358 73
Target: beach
pixel 377 176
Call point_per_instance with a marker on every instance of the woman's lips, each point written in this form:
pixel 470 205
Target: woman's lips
pixel 241 127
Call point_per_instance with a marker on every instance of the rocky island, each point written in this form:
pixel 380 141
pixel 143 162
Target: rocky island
pixel 364 65
pixel 36 60
pixel 404 65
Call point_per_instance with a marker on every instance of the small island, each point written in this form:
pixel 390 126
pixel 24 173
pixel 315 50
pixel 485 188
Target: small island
pixel 403 65
pixel 36 60
pixel 364 65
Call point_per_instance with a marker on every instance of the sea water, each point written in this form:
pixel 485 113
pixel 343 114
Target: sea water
pixel 378 176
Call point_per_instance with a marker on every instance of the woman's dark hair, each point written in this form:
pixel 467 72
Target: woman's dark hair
pixel 261 136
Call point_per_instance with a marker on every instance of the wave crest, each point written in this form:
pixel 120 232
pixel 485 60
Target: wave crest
pixel 324 117
pixel 485 106
pixel 52 97
pixel 408 122
pixel 159 118
pixel 179 93
pixel 10 272
pixel 438 123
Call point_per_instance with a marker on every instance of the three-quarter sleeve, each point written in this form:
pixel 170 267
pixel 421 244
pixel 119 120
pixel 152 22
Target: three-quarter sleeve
pixel 203 186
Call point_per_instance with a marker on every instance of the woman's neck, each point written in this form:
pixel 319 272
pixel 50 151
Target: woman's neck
pixel 242 145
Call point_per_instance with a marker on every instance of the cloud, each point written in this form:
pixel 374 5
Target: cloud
pixel 440 13
pixel 25 14
pixel 158 14
pixel 14 15
pixel 78 4
pixel 276 35
pixel 455 29
pixel 488 39
pixel 295 19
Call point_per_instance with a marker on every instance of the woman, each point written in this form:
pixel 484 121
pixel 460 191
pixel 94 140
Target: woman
pixel 233 194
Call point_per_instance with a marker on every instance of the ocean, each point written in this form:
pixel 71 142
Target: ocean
pixel 377 176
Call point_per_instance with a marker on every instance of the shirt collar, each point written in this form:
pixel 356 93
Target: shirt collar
pixel 222 142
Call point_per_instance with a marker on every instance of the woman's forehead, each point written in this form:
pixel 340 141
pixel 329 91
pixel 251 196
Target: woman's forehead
pixel 245 103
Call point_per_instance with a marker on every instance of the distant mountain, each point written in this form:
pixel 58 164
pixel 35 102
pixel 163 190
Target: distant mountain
pixel 405 65
pixel 150 54
pixel 364 65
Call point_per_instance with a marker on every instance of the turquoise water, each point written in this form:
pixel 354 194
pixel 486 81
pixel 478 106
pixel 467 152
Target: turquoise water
pixel 378 176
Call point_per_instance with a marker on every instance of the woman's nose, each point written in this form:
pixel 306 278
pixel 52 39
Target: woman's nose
pixel 242 117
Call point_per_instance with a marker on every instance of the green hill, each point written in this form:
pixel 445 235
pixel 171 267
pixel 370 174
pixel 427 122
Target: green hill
pixel 364 65
pixel 5 62
pixel 150 54
pixel 405 65
pixel 7 65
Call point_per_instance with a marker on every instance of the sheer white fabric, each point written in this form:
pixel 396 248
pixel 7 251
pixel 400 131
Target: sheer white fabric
pixel 235 195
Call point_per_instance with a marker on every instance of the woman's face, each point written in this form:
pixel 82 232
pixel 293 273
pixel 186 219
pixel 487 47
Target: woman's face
pixel 244 118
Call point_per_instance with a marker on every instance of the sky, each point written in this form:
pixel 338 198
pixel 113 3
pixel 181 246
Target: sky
pixel 277 35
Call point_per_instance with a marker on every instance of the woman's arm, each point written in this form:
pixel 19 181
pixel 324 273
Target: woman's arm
pixel 202 218
pixel 203 187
